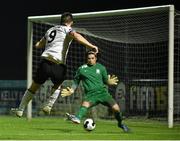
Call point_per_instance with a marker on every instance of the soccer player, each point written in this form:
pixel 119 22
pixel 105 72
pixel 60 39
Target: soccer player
pixel 94 80
pixel 53 60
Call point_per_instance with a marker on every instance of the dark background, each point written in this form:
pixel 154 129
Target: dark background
pixel 14 25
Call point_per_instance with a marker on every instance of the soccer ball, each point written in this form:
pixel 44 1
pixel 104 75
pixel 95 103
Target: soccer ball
pixel 89 124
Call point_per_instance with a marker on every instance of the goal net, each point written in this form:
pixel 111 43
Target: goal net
pixel 137 45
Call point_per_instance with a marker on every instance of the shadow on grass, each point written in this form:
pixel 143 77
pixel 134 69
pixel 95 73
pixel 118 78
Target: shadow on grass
pixel 55 129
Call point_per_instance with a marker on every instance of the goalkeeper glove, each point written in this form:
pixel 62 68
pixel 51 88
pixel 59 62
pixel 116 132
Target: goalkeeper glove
pixel 112 80
pixel 67 92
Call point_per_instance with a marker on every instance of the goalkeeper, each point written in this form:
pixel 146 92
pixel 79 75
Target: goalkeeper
pixel 94 79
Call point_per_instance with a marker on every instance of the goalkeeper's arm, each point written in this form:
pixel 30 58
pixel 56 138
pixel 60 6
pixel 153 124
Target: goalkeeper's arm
pixel 69 90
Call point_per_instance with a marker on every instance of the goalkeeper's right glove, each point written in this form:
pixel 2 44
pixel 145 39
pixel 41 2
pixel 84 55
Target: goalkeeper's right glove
pixel 67 92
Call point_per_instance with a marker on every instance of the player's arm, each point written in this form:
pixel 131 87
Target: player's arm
pixel 70 90
pixel 109 79
pixel 41 43
pixel 79 38
pixel 67 92
pixel 104 75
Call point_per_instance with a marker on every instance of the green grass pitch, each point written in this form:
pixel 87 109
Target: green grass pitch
pixel 55 128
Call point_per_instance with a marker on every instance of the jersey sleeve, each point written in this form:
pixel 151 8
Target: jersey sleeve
pixel 104 75
pixel 76 79
pixel 77 76
pixel 46 35
pixel 69 29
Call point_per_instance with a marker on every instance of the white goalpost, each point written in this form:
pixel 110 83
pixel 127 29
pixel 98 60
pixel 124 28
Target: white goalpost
pixel 171 67
pixel 29 65
pixel 136 44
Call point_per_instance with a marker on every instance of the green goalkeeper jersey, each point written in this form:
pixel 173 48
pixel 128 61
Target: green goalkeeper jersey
pixel 93 77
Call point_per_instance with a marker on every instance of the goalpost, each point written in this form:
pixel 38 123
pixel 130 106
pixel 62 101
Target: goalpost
pixel 136 44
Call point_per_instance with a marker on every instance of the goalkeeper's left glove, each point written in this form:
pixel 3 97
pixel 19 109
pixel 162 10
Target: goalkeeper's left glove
pixel 112 80
pixel 67 92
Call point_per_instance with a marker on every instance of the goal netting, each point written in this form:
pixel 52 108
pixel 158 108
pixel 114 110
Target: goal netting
pixel 136 45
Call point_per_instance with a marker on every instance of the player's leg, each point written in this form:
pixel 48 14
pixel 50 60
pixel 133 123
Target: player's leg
pixel 57 74
pixel 81 113
pixel 28 95
pixel 85 106
pixel 40 77
pixel 107 100
pixel 83 109
pixel 55 91
pixel 90 100
pixel 118 116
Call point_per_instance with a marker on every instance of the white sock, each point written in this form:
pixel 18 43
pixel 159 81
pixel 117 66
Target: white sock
pixel 25 99
pixel 53 98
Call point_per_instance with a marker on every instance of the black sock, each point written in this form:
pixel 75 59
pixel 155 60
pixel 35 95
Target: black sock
pixel 118 116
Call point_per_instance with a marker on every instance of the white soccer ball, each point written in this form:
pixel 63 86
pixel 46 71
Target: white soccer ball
pixel 89 124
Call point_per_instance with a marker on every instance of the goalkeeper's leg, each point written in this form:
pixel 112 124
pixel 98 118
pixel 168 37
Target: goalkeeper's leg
pixel 118 116
pixel 81 113
pixel 52 99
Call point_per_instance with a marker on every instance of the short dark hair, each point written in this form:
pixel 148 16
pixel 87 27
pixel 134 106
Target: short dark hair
pixel 91 52
pixel 66 17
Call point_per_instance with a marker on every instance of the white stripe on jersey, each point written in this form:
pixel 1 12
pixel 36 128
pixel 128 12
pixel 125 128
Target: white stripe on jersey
pixel 57 42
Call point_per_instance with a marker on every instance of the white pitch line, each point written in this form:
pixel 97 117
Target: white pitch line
pixel 97 134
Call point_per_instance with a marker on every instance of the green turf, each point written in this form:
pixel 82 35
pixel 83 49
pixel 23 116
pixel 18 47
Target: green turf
pixel 54 128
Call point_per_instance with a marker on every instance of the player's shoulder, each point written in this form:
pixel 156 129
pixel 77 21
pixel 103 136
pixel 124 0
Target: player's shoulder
pixel 100 65
pixel 50 30
pixel 83 66
pixel 66 28
pixel 60 27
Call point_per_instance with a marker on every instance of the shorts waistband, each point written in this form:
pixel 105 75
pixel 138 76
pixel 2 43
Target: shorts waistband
pixel 53 59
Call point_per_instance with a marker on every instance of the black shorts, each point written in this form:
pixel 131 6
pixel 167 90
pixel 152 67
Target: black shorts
pixel 47 69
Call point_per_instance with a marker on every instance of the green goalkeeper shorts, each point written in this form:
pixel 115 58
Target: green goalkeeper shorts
pixel 99 97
